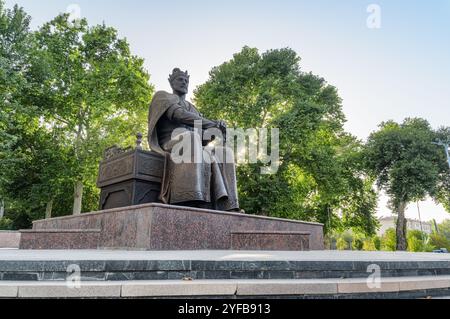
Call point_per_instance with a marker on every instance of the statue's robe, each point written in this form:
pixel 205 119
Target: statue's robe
pixel 210 181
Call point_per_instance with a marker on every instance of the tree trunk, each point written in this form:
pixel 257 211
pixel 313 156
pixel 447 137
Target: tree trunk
pixel 77 197
pixel 401 227
pixel 2 208
pixel 48 209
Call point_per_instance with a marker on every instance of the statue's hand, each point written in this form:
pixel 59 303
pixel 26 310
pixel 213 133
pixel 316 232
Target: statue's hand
pixel 222 125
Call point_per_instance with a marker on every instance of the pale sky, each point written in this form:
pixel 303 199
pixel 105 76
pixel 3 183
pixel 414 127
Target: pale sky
pixel 399 70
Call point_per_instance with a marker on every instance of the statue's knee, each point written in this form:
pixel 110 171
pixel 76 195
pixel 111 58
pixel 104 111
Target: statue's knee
pixel 224 153
pixel 193 139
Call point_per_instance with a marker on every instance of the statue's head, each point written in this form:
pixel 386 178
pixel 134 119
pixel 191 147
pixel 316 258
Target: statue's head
pixel 179 81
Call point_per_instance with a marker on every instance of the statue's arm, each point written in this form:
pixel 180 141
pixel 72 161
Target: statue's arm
pixel 181 115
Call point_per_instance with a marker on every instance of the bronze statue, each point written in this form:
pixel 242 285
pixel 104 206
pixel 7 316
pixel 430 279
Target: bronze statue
pixel 208 183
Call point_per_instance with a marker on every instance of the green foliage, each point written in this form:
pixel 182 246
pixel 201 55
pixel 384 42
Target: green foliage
pixel 363 242
pixel 444 228
pixel 6 223
pixel 405 163
pixel 439 241
pixel 369 245
pixel 415 240
pixel 320 173
pixel 403 159
pixel 93 90
pixel 14 46
pixel 67 93
pixel 443 186
pixel 36 167
pixel 358 243
pixel 341 244
pixel 389 240
pixel 377 242
pixel 21 220
pixel 19 124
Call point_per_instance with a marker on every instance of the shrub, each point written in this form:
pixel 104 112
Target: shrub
pixel 341 244
pixel 389 240
pixel 377 242
pixel 357 243
pixel 369 245
pixel 6 224
pixel 414 244
pixel 21 221
pixel 439 241
pixel 418 241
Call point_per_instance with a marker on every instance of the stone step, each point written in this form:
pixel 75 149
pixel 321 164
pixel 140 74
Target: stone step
pixel 59 239
pixel 114 265
pixel 403 287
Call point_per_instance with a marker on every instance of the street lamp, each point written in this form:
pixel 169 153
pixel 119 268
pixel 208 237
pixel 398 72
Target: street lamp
pixel 446 146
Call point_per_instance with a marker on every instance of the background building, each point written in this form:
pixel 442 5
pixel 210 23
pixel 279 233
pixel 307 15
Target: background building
pixel 412 224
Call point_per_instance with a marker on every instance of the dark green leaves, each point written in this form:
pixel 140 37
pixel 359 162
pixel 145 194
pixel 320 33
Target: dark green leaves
pixel 320 176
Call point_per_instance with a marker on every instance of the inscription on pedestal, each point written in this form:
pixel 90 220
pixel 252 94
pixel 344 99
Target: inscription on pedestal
pixel 270 240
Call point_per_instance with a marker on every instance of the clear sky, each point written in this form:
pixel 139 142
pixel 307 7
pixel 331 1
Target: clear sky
pixel 401 69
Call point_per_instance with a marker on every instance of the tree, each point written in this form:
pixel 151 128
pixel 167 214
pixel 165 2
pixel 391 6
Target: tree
pixel 443 188
pixel 30 156
pixel 444 228
pixel 320 175
pixel 405 164
pixel 92 92
pixel 67 92
pixel 14 42
pixel 16 120
pixel 36 168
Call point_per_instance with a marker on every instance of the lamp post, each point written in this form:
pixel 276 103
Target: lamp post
pixel 446 146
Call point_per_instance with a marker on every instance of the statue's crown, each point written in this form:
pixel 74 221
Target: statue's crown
pixel 177 72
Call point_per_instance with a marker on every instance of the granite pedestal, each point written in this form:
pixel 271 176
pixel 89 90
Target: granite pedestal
pixel 9 239
pixel 166 227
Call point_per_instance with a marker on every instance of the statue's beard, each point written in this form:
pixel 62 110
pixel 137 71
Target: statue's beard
pixel 181 91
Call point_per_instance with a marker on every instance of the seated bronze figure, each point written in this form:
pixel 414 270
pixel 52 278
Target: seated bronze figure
pixel 208 183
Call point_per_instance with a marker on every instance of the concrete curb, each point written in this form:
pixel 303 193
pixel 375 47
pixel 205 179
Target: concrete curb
pixel 224 288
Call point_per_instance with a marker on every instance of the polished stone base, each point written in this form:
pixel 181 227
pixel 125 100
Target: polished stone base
pixel 166 227
pixel 112 265
pixel 217 264
pixel 60 239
